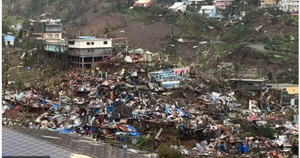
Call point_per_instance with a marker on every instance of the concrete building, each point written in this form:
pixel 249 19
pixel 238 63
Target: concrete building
pixel 250 85
pixel 47 30
pixel 208 11
pixel 85 51
pixel 267 3
pixel 291 6
pixel 142 3
pixel 178 6
pixel 197 3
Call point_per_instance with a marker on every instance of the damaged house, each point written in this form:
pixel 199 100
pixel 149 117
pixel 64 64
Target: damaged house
pixel 288 93
pixel 250 85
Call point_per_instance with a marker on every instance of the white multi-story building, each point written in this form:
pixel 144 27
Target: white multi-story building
pixel 289 5
pixel 84 51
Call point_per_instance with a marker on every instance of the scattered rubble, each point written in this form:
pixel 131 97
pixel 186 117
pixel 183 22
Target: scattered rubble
pixel 131 103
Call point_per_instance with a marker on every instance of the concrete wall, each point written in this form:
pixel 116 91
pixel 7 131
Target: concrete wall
pixel 90 52
pixel 92 43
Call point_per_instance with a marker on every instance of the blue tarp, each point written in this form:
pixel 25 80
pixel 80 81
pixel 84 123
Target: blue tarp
pixel 127 97
pixel 181 127
pixel 55 106
pixel 243 149
pixel 95 110
pixel 109 108
pixel 43 101
pixel 65 130
pixel 9 38
pixel 135 134
pixel 167 111
pixel 93 129
pixel 132 128
pixel 148 112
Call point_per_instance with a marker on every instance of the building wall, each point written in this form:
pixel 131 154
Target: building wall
pixel 100 43
pixel 52 36
pixel 182 8
pixel 34 27
pixel 248 85
pixel 289 5
pixel 292 90
pixel 90 52
pixel 268 3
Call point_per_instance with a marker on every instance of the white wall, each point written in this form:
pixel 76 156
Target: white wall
pixel 99 43
pixel 51 36
pixel 182 8
pixel 289 5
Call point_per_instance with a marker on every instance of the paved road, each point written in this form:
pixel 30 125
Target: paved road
pixel 75 144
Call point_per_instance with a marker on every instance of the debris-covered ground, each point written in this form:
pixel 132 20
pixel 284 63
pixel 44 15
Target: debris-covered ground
pixel 124 106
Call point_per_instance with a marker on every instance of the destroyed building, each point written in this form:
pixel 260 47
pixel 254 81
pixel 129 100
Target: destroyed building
pixel 288 93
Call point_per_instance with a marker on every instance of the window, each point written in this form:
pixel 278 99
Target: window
pixel 88 43
pixel 105 42
pixel 256 84
pixel 250 84
pixel 92 50
pixel 57 35
pixel 71 42
pixel 88 50
pixel 92 43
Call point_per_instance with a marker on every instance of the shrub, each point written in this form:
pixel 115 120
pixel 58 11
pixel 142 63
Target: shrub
pixel 166 152
pixel 267 131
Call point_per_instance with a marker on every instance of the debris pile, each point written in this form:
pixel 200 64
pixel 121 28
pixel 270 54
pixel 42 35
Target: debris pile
pixel 131 103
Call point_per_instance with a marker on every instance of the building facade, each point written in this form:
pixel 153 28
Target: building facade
pixel 208 11
pixel 267 3
pixel 85 51
pixel 196 3
pixel 248 84
pixel 178 7
pixel 47 30
pixel 222 4
pixel 291 6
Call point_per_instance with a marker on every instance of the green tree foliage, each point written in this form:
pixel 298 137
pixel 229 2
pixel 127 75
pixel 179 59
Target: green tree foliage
pixel 142 143
pixel 166 152
pixel 37 7
pixel 267 131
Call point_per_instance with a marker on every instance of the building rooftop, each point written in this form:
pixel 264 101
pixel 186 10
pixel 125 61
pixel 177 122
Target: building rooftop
pixel 247 80
pixel 86 37
pixel 176 5
pixel 208 7
pixel 90 39
pixel 143 1
pixel 278 85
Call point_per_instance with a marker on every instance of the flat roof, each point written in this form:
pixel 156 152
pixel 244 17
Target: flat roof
pixel 244 79
pixel 91 39
pixel 283 85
